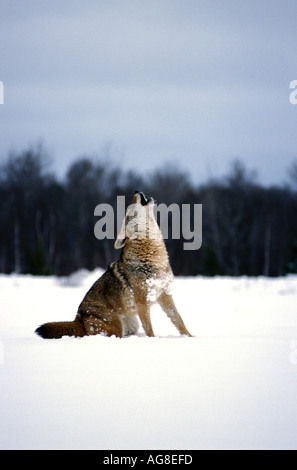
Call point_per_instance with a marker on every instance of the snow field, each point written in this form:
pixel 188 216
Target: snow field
pixel 232 386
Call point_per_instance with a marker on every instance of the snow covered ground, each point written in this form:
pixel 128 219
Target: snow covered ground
pixel 232 386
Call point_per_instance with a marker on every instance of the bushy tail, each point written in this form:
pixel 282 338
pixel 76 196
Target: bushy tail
pixel 59 329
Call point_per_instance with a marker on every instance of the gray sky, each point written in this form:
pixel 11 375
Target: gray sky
pixel 198 82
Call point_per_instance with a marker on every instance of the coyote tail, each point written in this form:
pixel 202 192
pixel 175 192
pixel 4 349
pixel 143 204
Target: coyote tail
pixel 59 329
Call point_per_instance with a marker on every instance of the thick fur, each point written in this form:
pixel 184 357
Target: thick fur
pixel 59 329
pixel 141 277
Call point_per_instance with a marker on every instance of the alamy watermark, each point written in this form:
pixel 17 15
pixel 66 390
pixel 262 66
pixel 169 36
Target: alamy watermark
pixel 293 94
pixel 1 93
pixel 186 222
pixel 293 353
pixel 1 353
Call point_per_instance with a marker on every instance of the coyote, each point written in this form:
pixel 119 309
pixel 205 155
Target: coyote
pixel 141 277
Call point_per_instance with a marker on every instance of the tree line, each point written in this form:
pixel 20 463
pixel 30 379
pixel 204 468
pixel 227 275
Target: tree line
pixel 47 224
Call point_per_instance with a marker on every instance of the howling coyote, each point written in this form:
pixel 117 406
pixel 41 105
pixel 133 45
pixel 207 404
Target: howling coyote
pixel 141 277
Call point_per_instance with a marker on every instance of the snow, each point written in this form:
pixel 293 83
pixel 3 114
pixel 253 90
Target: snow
pixel 232 386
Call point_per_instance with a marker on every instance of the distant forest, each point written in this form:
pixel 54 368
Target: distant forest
pixel 47 225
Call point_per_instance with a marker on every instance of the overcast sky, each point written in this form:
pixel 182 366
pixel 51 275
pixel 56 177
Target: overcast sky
pixel 197 82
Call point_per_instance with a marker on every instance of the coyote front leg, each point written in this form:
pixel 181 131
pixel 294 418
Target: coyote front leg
pixel 167 303
pixel 145 318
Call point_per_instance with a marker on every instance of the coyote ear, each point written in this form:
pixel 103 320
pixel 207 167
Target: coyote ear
pixel 120 243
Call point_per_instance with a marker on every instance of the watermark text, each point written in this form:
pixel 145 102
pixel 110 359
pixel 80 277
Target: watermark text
pixel 293 94
pixel 293 353
pixel 175 222
pixel 1 93
pixel 1 353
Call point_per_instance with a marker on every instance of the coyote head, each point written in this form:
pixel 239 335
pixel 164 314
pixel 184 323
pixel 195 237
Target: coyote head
pixel 139 222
